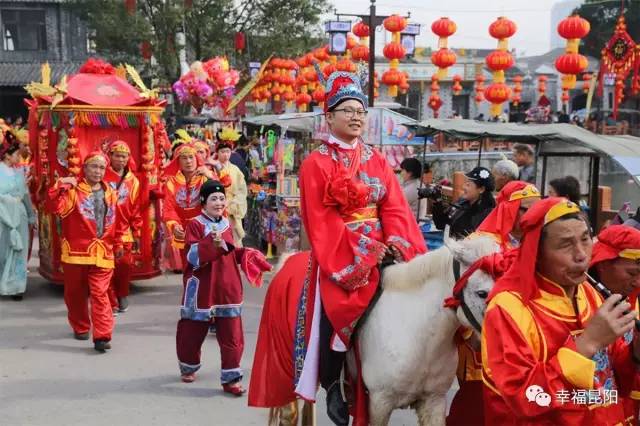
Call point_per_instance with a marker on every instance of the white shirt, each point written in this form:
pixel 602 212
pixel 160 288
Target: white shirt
pixel 343 145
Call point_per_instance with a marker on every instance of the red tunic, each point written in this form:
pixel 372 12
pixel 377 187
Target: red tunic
pixel 128 190
pixel 533 345
pixel 181 203
pixel 212 283
pixel 352 205
pixel 79 242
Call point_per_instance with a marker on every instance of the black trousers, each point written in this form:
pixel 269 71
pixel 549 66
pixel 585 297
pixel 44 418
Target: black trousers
pixel 331 362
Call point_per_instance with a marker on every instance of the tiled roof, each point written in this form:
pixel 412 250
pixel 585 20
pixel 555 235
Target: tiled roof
pixel 23 73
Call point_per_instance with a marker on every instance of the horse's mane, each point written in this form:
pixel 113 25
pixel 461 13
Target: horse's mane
pixel 438 263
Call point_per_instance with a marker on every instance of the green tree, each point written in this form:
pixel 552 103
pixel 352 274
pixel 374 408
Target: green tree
pixel 282 27
pixel 603 16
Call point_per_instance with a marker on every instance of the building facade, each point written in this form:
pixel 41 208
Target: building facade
pixel 34 32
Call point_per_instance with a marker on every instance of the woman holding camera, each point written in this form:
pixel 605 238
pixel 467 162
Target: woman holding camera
pixel 477 201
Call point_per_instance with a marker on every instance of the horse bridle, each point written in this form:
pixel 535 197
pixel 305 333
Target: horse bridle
pixel 465 308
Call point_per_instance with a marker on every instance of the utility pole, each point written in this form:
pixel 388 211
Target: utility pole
pixel 373 21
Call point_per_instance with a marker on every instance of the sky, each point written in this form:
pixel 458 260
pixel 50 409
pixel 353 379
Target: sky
pixel 472 17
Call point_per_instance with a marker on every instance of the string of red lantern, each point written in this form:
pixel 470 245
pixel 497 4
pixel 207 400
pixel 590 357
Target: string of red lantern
pixel 571 63
pixel 517 90
pixel 394 51
pixel 457 86
pixel 442 58
pixel 498 62
pixel 479 88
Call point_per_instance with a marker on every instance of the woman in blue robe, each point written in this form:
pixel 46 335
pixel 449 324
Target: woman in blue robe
pixel 16 215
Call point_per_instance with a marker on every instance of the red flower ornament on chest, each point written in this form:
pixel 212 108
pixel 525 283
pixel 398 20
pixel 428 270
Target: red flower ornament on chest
pixel 346 193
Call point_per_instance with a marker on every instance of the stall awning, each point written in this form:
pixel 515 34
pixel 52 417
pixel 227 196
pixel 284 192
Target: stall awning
pixel 553 138
pixel 295 122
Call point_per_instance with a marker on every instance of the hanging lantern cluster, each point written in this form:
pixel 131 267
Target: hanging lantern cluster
pixel 394 51
pixel 435 102
pixel 444 57
pixel 73 153
pixel 303 98
pixel 517 90
pixel 620 56
pixel 542 85
pixel 571 63
pixel 586 82
pixel 457 84
pixel 498 62
pixel 277 83
pixel 479 88
pixel 360 52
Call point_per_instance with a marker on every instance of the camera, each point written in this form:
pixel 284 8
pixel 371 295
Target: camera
pixel 432 192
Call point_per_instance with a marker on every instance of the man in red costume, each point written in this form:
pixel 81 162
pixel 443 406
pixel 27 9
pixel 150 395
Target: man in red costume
pixel 616 264
pixel 88 209
pixel 548 337
pixel 503 224
pixel 354 213
pixel 181 203
pixel 120 177
pixel 213 289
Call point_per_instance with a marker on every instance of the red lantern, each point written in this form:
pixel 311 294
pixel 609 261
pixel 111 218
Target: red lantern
pixel 240 41
pixel 395 23
pixel 499 60
pixel 302 101
pixel 457 87
pixel 321 54
pixel 497 93
pixel 311 75
pixel 351 42
pixel 571 63
pixel 360 53
pixel 502 28
pixel 394 51
pixel 361 29
pixel 318 96
pixel 443 58
pixel 574 27
pixel 542 84
pixel 404 83
pixel 346 65
pixel 444 27
pixel 392 77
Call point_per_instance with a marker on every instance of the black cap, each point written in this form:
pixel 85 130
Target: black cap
pixel 208 188
pixel 482 177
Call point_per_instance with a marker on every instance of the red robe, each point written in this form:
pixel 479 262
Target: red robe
pixel 533 345
pixel 181 203
pixel 352 205
pixel 349 214
pixel 79 244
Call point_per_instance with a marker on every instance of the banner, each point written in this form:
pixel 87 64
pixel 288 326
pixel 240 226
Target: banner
pixel 250 85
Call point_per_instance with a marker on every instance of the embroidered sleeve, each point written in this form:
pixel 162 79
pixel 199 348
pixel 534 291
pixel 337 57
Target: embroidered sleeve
pixel 200 246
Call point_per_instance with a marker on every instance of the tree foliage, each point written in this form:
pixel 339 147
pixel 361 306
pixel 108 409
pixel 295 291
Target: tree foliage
pixel 282 27
pixel 603 16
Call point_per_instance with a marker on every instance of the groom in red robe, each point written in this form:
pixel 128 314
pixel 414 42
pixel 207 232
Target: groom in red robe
pixel 354 213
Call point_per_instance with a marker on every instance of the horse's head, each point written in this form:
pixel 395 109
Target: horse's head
pixel 476 265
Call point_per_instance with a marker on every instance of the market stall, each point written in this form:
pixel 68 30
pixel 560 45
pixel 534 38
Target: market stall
pixel 274 205
pixel 560 149
pixel 85 112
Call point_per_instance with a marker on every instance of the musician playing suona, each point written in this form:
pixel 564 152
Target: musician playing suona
pixel 502 224
pixel 549 336
pixel 616 264
pixel 213 289
pixel 87 207
pixel 120 177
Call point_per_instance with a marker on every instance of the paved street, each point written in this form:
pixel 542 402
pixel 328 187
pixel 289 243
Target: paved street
pixel 48 378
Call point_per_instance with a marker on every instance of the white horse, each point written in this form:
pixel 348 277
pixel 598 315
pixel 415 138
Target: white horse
pixel 407 349
pixel 407 345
